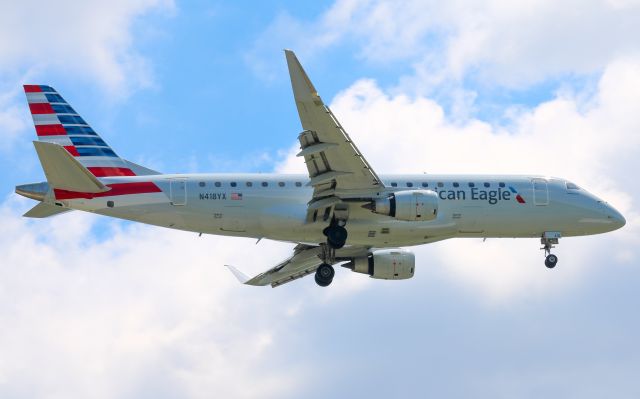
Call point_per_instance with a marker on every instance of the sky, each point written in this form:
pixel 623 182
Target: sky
pixel 99 308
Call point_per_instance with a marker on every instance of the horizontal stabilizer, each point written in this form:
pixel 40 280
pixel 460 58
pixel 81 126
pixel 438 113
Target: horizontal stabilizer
pixel 64 172
pixel 243 278
pixel 43 210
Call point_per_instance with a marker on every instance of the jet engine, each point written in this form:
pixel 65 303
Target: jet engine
pixel 386 264
pixel 410 205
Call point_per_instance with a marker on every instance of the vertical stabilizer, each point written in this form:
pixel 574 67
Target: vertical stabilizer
pixel 57 122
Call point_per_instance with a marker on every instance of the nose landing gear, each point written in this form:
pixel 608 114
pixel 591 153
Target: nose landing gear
pixel 550 261
pixel 548 240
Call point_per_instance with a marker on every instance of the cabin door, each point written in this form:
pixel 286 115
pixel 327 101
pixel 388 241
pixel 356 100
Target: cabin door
pixel 540 192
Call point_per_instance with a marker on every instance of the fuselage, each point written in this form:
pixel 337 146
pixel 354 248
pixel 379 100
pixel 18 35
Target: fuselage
pixel 275 206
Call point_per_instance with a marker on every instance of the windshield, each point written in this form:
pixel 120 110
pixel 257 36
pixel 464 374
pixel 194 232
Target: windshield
pixel 572 186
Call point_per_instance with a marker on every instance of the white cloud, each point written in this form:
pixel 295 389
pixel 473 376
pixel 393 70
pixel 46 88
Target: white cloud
pixel 515 44
pixel 141 312
pixel 91 39
pixel 13 120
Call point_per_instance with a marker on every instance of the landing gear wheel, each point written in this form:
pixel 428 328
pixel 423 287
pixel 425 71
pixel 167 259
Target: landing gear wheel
pixel 334 245
pixel 336 236
pixel 551 261
pixel 324 275
pixel 548 239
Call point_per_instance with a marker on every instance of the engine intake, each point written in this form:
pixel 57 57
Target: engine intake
pixel 386 264
pixel 410 205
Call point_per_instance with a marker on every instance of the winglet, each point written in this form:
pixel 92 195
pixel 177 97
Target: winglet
pixel 243 278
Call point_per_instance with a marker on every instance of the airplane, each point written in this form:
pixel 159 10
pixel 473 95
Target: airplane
pixel 340 213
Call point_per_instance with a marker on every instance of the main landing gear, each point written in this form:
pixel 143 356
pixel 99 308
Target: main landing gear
pixel 548 240
pixel 324 274
pixel 336 235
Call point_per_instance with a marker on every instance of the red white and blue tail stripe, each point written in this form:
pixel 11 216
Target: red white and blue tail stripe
pixel 56 122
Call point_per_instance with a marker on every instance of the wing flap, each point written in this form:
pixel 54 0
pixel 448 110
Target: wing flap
pixel 304 259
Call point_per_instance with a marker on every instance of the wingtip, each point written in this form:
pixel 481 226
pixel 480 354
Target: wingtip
pixel 242 278
pixel 291 57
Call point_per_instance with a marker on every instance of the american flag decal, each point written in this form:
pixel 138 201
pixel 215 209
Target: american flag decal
pixel 236 196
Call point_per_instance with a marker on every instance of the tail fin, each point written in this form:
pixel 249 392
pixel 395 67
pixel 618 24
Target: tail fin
pixel 56 122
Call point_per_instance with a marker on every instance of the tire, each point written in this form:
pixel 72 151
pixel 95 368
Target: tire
pixel 334 245
pixel 336 236
pixel 339 234
pixel 322 283
pixel 326 271
pixel 324 275
pixel 551 261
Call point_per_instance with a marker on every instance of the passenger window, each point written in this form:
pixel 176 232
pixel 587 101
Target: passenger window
pixel 281 184
pixel 201 184
pixel 425 184
pixel 501 184
pixel 233 184
pixel 217 184
pixel 440 184
pixel 471 184
pixel 264 184
pixel 394 184
pixel 487 184
pixel 298 184
pixel 409 184
pixel 249 184
pixel 456 185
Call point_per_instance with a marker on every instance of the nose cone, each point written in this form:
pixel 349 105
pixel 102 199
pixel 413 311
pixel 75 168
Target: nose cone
pixel 616 217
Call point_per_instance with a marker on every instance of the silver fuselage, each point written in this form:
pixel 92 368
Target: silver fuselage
pixel 274 206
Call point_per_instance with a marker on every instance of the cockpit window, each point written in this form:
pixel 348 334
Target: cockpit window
pixel 572 186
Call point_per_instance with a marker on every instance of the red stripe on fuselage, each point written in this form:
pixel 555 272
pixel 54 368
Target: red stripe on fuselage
pixel 41 108
pixel 32 89
pixel 100 171
pixel 116 189
pixel 50 130
pixel 520 199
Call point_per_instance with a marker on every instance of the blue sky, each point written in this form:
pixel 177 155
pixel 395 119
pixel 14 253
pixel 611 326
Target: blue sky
pixel 92 307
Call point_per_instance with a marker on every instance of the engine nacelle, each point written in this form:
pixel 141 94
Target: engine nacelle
pixel 410 205
pixel 387 264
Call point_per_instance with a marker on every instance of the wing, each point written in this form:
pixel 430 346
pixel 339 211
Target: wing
pixel 336 167
pixel 333 161
pixel 305 260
